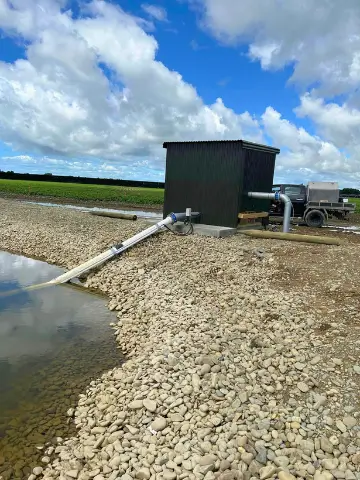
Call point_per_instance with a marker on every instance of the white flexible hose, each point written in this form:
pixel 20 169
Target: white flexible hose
pixel 113 251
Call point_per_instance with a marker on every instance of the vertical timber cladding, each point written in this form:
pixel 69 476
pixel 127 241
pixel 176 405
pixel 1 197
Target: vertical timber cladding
pixel 214 177
pixel 259 169
pixel 206 176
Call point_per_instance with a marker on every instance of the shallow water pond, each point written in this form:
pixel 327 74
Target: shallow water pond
pixel 53 342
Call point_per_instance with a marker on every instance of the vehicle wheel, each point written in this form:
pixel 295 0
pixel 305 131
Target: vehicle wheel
pixel 315 219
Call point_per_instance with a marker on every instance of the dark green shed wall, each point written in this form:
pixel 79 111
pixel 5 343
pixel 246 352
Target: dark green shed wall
pixel 213 177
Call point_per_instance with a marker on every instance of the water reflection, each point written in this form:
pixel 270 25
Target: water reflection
pixel 32 322
pixel 52 343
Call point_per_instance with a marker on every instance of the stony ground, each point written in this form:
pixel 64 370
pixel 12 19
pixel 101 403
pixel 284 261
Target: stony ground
pixel 243 355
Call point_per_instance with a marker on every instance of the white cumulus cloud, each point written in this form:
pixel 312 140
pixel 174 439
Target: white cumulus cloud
pixel 321 38
pixel 306 156
pixel 340 123
pixel 91 85
pixel 155 11
pixel 59 101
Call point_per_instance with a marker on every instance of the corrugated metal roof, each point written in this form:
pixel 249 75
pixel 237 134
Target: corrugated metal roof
pixel 244 144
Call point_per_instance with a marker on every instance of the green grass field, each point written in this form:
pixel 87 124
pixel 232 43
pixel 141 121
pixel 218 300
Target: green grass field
pixel 105 193
pixel 77 191
pixel 357 203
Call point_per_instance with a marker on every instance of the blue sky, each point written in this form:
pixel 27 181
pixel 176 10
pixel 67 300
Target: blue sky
pixel 102 107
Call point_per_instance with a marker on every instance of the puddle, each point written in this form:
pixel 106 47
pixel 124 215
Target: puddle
pixel 344 229
pixel 139 213
pixel 53 342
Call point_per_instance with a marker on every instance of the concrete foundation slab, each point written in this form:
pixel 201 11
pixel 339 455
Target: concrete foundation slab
pixel 206 230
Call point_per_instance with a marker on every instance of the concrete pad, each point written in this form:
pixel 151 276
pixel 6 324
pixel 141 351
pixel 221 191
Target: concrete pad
pixel 206 230
pixel 201 229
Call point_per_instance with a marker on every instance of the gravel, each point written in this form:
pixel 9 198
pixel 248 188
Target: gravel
pixel 223 372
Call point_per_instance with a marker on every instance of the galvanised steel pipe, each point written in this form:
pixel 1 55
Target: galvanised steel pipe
pixel 277 196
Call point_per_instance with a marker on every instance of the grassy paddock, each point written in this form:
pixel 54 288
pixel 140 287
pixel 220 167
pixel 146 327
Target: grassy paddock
pixel 106 193
pixel 357 203
pixel 77 191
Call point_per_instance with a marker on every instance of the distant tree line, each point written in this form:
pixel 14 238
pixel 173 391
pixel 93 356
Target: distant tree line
pixel 350 192
pixel 49 177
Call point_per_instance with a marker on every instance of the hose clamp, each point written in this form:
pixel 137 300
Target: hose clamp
pixel 277 196
pixel 116 247
pixel 173 217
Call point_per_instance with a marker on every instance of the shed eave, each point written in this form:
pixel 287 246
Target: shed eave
pixel 245 144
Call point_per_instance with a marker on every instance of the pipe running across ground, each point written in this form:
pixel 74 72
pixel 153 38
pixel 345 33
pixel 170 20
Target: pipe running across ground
pixel 277 196
pixel 113 251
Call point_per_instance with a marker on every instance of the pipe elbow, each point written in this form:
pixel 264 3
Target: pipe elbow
pixel 285 198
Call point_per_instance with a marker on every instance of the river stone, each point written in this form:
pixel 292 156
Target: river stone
pixel 204 469
pixel 338 473
pixel 115 461
pixel 349 475
pixel 323 476
pixel 216 421
pixel 159 424
pixel 37 471
pixel 247 457
pixel 169 475
pixel 286 476
pixel 326 445
pixel 143 474
pixel 150 405
pixel 303 387
pixel 299 366
pixel 207 460
pixel 187 465
pixel 254 467
pixel 225 465
pixel 136 405
pixel 282 461
pixel 99 430
pixel 205 369
pixel 339 424
pixel 72 473
pixel 261 457
pixel 330 463
pixel 267 472
pixel 350 422
pixel 187 390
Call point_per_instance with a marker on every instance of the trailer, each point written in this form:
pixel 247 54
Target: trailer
pixel 314 203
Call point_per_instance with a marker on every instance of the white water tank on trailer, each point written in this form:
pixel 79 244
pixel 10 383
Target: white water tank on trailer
pixel 323 192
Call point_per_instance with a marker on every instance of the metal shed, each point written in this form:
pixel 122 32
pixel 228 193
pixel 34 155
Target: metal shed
pixel 213 177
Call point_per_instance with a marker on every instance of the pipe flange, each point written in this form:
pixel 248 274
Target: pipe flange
pixel 173 217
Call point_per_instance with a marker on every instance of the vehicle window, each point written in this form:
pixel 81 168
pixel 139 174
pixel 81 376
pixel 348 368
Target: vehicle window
pixel 292 190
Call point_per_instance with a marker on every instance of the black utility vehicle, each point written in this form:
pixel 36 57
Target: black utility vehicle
pixel 314 203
